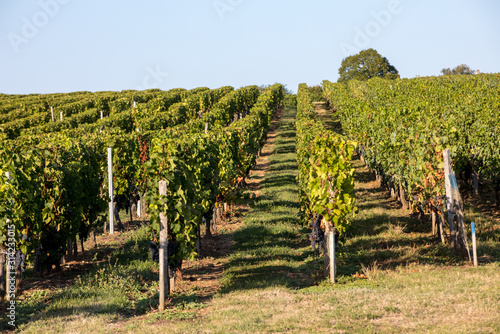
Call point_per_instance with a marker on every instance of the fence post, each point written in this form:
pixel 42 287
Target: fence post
pixel 3 281
pixel 52 113
pixel 331 249
pixel 474 252
pixel 198 238
pixel 110 186
pixel 8 273
pixel 456 204
pixel 102 116
pixel 163 253
pixel 433 219
pixel 475 181
pixel 7 261
pixel 329 252
pixel 449 197
pixel 139 208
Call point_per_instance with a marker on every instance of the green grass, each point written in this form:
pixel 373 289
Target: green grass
pixel 272 250
pixel 121 284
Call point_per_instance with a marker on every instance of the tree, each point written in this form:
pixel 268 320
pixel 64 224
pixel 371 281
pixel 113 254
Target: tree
pixel 365 65
pixel 460 69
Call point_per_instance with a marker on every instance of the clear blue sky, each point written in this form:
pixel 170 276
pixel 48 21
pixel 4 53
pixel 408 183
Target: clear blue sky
pixel 49 46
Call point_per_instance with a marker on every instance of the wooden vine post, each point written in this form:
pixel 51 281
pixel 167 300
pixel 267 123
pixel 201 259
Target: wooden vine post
pixel 474 251
pixel 163 253
pixel 449 197
pixel 139 208
pixel 100 129
pixel 6 263
pixel 110 186
pixel 3 280
pixel 52 113
pixel 329 252
pixel 332 269
pixel 454 206
pixel 475 181
pixel 329 256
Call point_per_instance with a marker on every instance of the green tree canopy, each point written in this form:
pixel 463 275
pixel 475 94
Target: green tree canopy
pixel 365 65
pixel 460 69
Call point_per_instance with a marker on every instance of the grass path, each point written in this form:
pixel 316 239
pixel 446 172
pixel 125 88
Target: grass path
pixel 271 249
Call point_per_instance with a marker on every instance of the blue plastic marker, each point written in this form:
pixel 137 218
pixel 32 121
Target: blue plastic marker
pixel 453 181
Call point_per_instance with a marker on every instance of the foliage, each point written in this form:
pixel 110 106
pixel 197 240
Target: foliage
pixel 58 187
pixel 326 183
pixel 200 167
pixel 316 93
pixel 291 100
pixel 403 126
pixel 52 195
pixel 460 69
pixel 365 65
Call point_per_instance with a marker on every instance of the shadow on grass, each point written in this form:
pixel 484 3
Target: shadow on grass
pixel 272 249
pixel 280 180
pixel 384 233
pixel 122 281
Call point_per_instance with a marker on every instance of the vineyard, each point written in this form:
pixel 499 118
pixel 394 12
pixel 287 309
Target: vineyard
pixel 59 150
pixel 404 126
pixel 54 180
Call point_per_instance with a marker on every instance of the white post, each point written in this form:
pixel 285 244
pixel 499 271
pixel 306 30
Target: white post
pixel 474 251
pixel 164 279
pixel 8 259
pixel 134 104
pixel 7 175
pixel 331 247
pixel 449 196
pixel 100 129
pixel 52 113
pixel 206 127
pixel 139 208
pixel 110 185
pixel 60 116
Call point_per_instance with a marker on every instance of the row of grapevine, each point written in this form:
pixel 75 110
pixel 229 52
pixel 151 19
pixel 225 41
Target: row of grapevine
pixel 82 108
pixel 131 148
pixel 56 187
pixel 326 183
pixel 404 125
pixel 201 167
pixel 86 112
pixel 53 194
pixel 126 120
